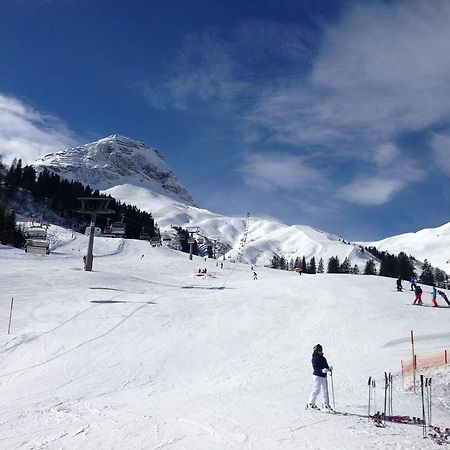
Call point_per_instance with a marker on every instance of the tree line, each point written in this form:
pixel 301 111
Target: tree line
pixel 393 266
pixel 61 197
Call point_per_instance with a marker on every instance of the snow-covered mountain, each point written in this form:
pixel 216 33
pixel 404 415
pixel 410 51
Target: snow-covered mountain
pixel 249 239
pixel 430 243
pixel 116 160
pixel 137 174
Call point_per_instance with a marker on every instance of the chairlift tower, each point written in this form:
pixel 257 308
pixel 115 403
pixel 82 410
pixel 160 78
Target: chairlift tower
pixel 191 240
pixel 93 206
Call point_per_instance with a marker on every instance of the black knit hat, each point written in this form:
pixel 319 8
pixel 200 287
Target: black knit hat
pixel 317 348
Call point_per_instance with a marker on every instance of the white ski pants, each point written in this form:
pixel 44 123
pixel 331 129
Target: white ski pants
pixel 320 384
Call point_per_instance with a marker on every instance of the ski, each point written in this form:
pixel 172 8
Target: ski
pixel 325 410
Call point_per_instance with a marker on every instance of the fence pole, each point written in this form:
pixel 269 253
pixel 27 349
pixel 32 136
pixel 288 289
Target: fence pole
pixel 10 314
pixel 413 361
pixel 445 357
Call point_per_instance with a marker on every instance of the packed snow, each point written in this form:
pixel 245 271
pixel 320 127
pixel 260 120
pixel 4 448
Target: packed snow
pixel 145 353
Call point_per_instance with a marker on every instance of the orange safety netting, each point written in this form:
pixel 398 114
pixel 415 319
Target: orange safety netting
pixel 424 361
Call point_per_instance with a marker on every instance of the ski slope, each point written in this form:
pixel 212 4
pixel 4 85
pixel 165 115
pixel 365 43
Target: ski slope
pixel 142 353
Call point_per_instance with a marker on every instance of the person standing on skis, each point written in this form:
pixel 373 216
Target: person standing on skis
pixel 320 370
pixel 399 284
pixel 433 297
pixel 418 291
pixel 413 282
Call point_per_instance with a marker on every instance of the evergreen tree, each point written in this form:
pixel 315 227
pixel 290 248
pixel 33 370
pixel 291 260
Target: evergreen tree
pixel 333 265
pixel 304 266
pixel 345 267
pixel 427 276
pixel 355 270
pixel 404 266
pixel 275 262
pixel 439 277
pixel 312 266
pixel 320 268
pixel 388 265
pixel 370 268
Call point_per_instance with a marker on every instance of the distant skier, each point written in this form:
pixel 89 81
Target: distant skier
pixel 255 275
pixel 320 370
pixel 433 297
pixel 413 283
pixel 418 291
pixel 399 284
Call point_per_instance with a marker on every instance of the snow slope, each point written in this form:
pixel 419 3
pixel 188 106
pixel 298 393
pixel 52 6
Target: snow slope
pixel 431 243
pixel 263 238
pixel 142 353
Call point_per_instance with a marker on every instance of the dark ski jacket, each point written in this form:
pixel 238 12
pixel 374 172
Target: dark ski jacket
pixel 319 362
pixel 418 290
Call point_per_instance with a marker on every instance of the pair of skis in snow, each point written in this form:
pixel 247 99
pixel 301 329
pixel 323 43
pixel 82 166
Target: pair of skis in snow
pixel 324 410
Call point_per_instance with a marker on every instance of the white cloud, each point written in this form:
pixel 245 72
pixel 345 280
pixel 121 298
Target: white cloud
pixel 382 70
pixel 440 144
pixel 25 133
pixel 275 171
pixel 371 191
pixel 386 154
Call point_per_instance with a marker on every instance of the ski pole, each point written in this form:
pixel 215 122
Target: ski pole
pixel 374 396
pixel 424 425
pixel 370 390
pixel 332 390
pixel 390 396
pixel 385 393
pixel 430 404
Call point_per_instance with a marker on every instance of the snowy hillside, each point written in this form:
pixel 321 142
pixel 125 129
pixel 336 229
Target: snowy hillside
pixel 142 353
pixel 116 160
pixel 134 173
pixel 253 240
pixel 431 243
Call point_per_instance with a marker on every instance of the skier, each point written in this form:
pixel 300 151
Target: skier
pixel 433 297
pixel 320 369
pixel 399 285
pixel 255 275
pixel 413 282
pixel 418 291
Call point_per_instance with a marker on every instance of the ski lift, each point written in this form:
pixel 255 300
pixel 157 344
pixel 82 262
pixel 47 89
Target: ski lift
pixel 155 242
pixel 37 246
pixel 36 232
pixel 117 229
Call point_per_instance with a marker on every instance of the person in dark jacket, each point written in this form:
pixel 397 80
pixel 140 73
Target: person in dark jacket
pixel 418 291
pixel 320 370
pixel 399 285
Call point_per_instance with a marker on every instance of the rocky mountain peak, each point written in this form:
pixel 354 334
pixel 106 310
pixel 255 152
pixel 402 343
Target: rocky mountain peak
pixel 116 160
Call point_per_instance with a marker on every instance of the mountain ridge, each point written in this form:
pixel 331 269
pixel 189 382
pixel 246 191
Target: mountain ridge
pixel 158 190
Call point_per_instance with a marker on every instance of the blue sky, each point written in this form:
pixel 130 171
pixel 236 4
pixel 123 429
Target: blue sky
pixel 334 114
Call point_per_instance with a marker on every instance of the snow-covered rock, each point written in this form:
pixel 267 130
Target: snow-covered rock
pixel 116 160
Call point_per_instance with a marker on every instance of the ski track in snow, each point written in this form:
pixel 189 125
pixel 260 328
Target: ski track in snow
pixel 143 353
